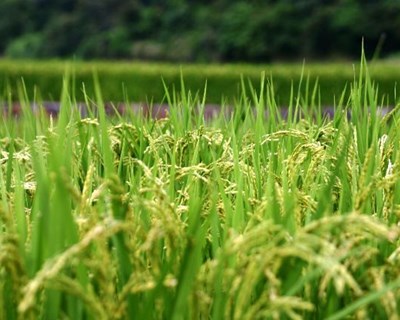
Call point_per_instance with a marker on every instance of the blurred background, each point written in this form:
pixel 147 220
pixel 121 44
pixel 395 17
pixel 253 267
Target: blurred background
pixel 199 31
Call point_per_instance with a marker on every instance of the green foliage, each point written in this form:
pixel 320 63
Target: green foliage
pixel 240 217
pixel 27 46
pixel 202 30
pixel 14 22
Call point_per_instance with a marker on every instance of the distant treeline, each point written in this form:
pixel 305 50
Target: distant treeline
pixel 194 30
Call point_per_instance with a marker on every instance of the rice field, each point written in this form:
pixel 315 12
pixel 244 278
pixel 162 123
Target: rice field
pixel 235 217
pixel 139 81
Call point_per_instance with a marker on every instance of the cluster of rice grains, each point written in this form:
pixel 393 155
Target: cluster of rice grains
pixel 236 218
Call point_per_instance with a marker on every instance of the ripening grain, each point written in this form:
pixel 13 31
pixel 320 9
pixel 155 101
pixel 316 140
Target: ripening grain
pixel 240 217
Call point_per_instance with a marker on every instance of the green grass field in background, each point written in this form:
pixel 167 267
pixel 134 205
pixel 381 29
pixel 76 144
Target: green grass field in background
pixel 142 81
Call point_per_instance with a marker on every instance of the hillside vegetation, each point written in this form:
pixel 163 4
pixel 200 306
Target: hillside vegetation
pixel 182 30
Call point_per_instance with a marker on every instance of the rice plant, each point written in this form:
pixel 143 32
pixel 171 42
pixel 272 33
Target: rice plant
pixel 238 217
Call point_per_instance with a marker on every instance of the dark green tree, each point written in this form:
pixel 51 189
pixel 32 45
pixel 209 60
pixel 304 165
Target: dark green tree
pixel 219 30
